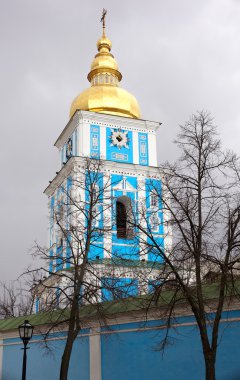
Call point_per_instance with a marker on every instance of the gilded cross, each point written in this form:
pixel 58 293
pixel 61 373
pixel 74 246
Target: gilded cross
pixel 104 12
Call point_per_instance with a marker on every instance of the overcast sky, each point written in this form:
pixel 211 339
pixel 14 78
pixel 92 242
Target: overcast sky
pixel 176 57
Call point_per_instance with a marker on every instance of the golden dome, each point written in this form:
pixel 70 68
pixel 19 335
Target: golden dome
pixel 105 95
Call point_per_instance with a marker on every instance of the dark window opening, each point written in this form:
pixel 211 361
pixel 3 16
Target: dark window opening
pixel 121 220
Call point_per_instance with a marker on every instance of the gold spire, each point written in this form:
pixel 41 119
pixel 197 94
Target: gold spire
pixel 105 95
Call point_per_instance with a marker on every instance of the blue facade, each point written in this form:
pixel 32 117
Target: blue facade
pixel 130 351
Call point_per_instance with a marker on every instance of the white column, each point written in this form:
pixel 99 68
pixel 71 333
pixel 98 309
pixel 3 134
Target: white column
pixel 152 149
pixel 107 215
pixel 85 140
pixel 102 143
pixel 135 148
pixel 95 355
pixel 142 215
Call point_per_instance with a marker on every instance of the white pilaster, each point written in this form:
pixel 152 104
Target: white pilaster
pixel 135 148
pixel 95 355
pixel 152 149
pixel 86 140
pixel 103 143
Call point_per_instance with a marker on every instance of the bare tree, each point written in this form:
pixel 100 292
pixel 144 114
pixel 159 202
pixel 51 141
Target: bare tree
pixel 80 216
pixel 200 199
pixel 16 299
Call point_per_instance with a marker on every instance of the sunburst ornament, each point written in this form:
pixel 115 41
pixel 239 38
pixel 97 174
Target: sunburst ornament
pixel 119 138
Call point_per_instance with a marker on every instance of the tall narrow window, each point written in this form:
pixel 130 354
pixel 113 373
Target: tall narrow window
pixel 121 220
pixel 95 192
pixel 153 200
pixel 124 218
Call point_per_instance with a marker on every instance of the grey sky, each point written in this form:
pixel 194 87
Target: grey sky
pixel 176 57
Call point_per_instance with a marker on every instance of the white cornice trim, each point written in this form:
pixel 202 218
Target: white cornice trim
pixel 67 131
pixel 103 119
pixel 110 167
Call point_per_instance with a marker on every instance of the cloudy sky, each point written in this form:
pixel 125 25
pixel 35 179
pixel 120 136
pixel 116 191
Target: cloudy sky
pixel 176 57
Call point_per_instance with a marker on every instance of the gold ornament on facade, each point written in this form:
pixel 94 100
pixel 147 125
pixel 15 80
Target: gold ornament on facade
pixel 105 95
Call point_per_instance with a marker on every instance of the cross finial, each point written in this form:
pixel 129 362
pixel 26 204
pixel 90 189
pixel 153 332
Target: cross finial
pixel 104 12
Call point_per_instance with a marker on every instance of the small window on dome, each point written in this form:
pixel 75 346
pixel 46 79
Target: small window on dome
pixel 101 79
pixel 106 78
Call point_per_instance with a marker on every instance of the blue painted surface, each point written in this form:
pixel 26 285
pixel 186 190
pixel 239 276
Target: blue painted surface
pixel 143 148
pixel 96 249
pixel 68 251
pixel 59 258
pixel 42 364
pixel 117 288
pixel 125 251
pixel 51 220
pixel 51 268
pixel 94 141
pixel 114 153
pixel 155 254
pixel 133 355
pixel 37 305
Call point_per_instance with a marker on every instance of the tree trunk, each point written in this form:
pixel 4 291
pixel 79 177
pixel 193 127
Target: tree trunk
pixel 209 365
pixel 66 357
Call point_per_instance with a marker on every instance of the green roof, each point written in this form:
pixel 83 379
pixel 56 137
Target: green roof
pixel 109 308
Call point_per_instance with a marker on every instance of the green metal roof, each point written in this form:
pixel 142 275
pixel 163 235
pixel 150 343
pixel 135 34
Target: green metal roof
pixel 109 308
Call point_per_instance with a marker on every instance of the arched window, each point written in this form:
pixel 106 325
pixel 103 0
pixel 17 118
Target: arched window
pixel 123 218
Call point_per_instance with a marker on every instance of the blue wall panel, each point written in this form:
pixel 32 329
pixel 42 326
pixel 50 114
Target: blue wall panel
pixel 143 148
pixel 135 355
pixel 154 254
pixel 95 141
pixel 44 364
pixel 117 288
pixel 114 153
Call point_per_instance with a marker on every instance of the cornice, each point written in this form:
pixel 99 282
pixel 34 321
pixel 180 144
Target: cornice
pixel 106 120
pixel 107 167
pixel 68 130
pixel 118 120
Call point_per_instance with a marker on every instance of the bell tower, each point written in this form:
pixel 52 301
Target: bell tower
pixel 105 130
